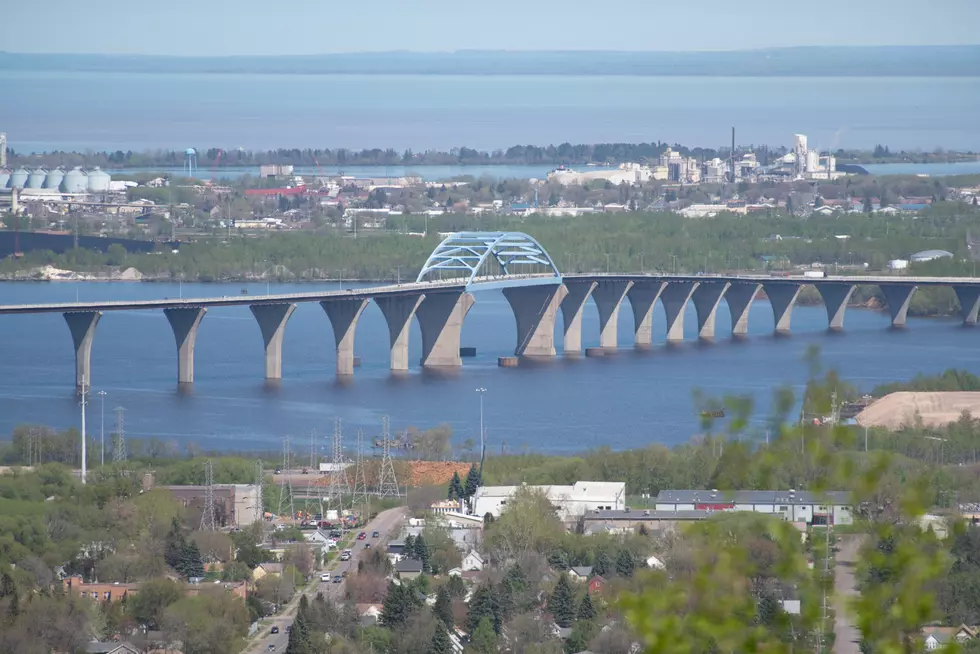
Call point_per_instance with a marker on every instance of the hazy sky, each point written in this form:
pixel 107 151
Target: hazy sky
pixel 219 27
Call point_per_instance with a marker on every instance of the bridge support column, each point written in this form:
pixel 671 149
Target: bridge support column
pixel 898 297
pixel 343 314
pixel 739 297
pixel 272 320
pixel 782 296
pixel 835 298
pixel 969 298
pixel 82 325
pixel 706 298
pixel 184 322
pixel 608 296
pixel 643 297
pixel 675 298
pixel 571 313
pixel 398 311
pixel 535 309
pixel 441 318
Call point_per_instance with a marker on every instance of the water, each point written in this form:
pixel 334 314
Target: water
pixel 569 405
pixel 130 111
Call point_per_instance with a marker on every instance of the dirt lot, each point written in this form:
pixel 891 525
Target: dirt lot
pixel 415 473
pixel 897 409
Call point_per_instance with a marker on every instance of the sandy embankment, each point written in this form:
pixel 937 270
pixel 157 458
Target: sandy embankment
pixel 934 408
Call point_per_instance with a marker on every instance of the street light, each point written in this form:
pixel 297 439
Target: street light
pixel 102 426
pixel 481 391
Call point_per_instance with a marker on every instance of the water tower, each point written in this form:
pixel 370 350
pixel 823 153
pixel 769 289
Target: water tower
pixel 190 161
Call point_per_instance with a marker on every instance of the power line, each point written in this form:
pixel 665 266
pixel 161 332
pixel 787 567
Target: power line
pixel 339 483
pixel 387 483
pixel 286 483
pixel 359 493
pixel 208 522
pixel 119 449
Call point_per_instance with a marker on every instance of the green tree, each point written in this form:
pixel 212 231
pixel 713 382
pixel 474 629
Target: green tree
pixel 399 605
pixel 484 638
pixel 421 553
pixel 191 564
pixel 472 482
pixel 443 608
pixel 484 604
pixel 582 634
pixel 147 607
pixel 586 609
pixel 625 563
pixel 299 641
pixel 456 490
pixel 515 592
pixel 603 564
pixel 558 559
pixel 440 640
pixel 561 602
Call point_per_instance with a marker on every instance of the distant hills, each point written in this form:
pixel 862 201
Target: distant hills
pixel 871 61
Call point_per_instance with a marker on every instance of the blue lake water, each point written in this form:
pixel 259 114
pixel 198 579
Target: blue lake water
pixel 569 405
pixel 79 111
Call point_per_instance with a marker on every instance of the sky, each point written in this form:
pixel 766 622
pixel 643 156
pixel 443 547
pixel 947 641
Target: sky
pixel 251 27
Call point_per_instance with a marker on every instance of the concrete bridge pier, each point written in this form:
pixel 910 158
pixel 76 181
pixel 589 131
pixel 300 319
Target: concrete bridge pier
pixel 440 318
pixel 969 298
pixel 343 314
pixel 643 297
pixel 398 311
pixel 571 314
pixel 674 299
pixel 535 310
pixel 782 296
pixel 739 297
pixel 898 297
pixel 835 298
pixel 272 319
pixel 608 296
pixel 184 322
pixel 706 298
pixel 82 325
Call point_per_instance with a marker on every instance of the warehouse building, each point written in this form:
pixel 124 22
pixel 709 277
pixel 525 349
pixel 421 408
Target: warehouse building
pixel 796 506
pixel 570 502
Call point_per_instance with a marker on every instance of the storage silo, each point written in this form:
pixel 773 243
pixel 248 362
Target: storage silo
pixel 98 180
pixel 18 178
pixel 4 177
pixel 54 178
pixel 36 178
pixel 75 181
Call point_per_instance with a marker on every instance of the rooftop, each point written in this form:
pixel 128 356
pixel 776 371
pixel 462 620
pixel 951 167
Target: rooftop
pixel 648 514
pixel 795 497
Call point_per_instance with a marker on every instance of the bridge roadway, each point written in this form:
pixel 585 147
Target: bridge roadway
pixel 441 306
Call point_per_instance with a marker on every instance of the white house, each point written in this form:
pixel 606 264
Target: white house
pixel 795 506
pixel 319 539
pixel 473 561
pixel 570 502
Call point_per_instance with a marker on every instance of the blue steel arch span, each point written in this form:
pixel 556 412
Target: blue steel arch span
pixel 466 255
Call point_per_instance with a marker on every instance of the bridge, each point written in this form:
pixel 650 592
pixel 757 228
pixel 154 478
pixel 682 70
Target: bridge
pixel 536 290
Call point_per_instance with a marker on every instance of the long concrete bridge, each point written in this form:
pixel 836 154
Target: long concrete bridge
pixel 533 286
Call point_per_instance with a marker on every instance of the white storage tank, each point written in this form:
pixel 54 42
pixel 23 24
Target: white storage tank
pixel 4 177
pixel 898 264
pixel 36 178
pixel 18 178
pixel 98 180
pixel 75 181
pixel 54 178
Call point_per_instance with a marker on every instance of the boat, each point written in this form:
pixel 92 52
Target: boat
pixel 720 413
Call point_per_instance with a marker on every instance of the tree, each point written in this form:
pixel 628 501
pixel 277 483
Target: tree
pixel 443 608
pixel 488 519
pixel 299 641
pixel 582 634
pixel 174 545
pixel 561 602
pixel 420 552
pixel 484 604
pixel 398 606
pixel 586 609
pixel 148 606
pixel 409 545
pixel 515 592
pixel 456 490
pixel 603 564
pixel 440 641
pixel 191 564
pixel 528 524
pixel 484 637
pixel 625 563
pixel 558 559
pixel 472 482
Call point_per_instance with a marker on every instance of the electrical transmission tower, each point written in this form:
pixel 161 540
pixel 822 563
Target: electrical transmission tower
pixel 259 499
pixel 359 492
pixel 387 484
pixel 339 483
pixel 33 447
pixel 119 450
pixel 208 522
pixel 286 484
pixel 313 490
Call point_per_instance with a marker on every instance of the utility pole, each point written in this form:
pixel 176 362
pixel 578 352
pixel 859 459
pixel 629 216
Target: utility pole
pixel 84 444
pixel 481 391
pixel 102 426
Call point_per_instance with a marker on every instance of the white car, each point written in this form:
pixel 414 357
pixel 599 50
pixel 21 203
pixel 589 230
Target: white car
pixel 324 577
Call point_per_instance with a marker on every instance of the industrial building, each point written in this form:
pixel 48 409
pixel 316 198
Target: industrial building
pixel 810 164
pixel 570 502
pixel 236 505
pixel 793 505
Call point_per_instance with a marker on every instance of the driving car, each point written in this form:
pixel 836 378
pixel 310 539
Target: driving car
pixel 325 577
pixel 361 536
pixel 274 630
pixel 337 579
pixel 375 534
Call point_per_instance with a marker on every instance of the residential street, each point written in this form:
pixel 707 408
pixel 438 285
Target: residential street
pixel 387 523
pixel 847 635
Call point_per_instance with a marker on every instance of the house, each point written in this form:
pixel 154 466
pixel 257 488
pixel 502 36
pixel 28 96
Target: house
pixel 628 520
pixel 580 572
pixel 446 506
pixel 111 592
pixel 570 502
pixel 792 505
pixel 655 563
pixel 408 568
pixel 111 648
pixel 473 561
pixel 596 584
pixel 938 637
pixel 263 569
pixel 320 540
pixel 369 614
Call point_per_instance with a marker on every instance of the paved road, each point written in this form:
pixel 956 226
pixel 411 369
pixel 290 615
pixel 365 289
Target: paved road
pixel 387 523
pixel 847 637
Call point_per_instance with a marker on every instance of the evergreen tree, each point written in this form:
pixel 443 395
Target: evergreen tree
pixel 174 544
pixel 455 587
pixel 488 519
pixel 561 603
pixel 484 604
pixel 514 592
pixel 440 641
pixel 582 634
pixel 603 564
pixel 398 606
pixel 484 638
pixel 558 559
pixel 299 636
pixel 443 608
pixel 625 563
pixel 586 610
pixel 472 482
pixel 410 545
pixel 191 564
pixel 421 553
pixel 456 487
